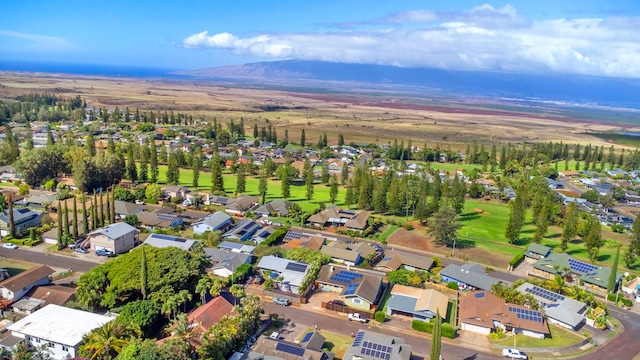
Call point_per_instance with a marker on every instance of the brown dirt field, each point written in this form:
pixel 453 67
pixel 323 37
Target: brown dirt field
pixel 357 117
pixel 479 211
pixel 417 239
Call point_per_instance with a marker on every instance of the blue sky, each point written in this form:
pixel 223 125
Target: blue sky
pixel 580 37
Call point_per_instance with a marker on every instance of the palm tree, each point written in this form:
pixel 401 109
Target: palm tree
pixel 182 298
pixel 107 341
pixel 204 284
pixel 216 287
pixel 183 330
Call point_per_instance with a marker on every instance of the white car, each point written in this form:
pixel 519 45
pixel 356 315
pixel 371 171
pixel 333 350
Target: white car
pixel 514 354
pixel 10 246
pixel 357 317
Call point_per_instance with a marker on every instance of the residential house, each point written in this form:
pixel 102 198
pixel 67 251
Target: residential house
pixel 560 310
pixel 15 287
pixel 603 188
pixel 279 207
pixel 218 221
pixel 163 241
pixel 617 173
pixel 190 216
pixel 262 234
pixel 152 220
pixel 468 277
pixel 595 278
pixel 363 248
pixel 205 316
pixel 554 184
pixel 336 216
pixel 23 219
pixel 41 296
pixel 418 304
pixel 292 272
pixel 395 261
pixel 360 288
pixel 536 252
pixel 51 236
pixel 175 191
pixel 60 328
pixel 243 231
pixel 335 167
pixel 302 240
pixel 241 204
pixel 8 174
pixel 482 312
pixel 225 263
pixel 369 345
pixel 341 254
pixel 265 347
pixel 221 200
pixel 118 238
pixel 237 247
pixel 124 208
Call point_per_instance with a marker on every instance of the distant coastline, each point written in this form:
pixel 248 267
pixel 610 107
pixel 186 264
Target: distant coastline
pixel 88 69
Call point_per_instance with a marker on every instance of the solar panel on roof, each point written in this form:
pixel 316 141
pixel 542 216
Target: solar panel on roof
pixel 345 276
pixel 296 267
pixel 358 340
pixel 307 337
pixel 479 295
pixel 290 349
pixel 351 289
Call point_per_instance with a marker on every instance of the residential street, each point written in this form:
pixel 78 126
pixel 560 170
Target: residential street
pixel 57 261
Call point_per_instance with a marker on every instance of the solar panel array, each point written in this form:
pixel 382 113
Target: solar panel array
pixel 166 217
pixel 345 276
pixel 545 294
pixel 581 267
pixel 23 211
pixel 376 350
pixel 526 314
pixel 358 340
pixel 479 295
pixel 295 235
pixel 296 267
pixel 351 289
pixel 290 349
pixel 169 238
pixel 307 337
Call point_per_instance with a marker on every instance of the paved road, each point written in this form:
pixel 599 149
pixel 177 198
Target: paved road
pixel 420 345
pixel 58 261
pixel 626 345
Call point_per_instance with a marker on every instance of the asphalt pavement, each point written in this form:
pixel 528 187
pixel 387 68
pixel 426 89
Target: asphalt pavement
pixel 52 260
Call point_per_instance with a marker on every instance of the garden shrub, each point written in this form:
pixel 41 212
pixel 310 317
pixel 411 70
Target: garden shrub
pixel 380 316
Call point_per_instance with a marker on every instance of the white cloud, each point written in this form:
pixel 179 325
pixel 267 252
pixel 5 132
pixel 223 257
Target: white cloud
pixel 482 38
pixel 40 42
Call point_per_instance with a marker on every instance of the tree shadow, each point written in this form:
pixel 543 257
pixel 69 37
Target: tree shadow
pixel 554 236
pixel 469 216
pixel 328 345
pixel 604 257
pixel 576 241
pixel 465 244
pixel 528 231
pixel 472 357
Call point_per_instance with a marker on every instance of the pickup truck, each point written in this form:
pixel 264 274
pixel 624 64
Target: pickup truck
pixel 357 317
pixel 514 354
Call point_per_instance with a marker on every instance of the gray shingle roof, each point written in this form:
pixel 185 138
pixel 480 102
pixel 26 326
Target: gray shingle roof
pixel 115 231
pixel 470 274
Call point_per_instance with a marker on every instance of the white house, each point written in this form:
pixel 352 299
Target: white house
pixel 16 286
pixel 58 327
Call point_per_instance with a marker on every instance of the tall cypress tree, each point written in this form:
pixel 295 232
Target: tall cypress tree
pixel 94 211
pixel 65 220
pixel 436 337
pixel 153 162
pixel 302 138
pixel 74 229
pixel 12 226
pixel 85 217
pixel 216 175
pixel 613 275
pixel 262 186
pixel 143 273
pixel 60 230
pixel 241 182
pixel 101 210
pixel 107 209
pixel 113 207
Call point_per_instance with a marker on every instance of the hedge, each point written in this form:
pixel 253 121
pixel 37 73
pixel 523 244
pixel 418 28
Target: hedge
pixel 276 236
pixel 380 316
pixel 447 330
pixel 516 259
pixel 626 302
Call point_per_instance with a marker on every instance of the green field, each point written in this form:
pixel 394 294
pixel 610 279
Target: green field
pixel 298 192
pixel 621 139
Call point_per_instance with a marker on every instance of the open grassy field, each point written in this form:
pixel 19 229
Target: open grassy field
pixel 377 117
pixel 620 139
pixel 298 193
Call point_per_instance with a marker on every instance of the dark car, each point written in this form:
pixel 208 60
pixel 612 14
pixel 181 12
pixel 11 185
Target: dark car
pixel 337 302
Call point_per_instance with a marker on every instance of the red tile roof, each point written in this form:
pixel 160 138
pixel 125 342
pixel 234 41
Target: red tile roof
pixel 210 313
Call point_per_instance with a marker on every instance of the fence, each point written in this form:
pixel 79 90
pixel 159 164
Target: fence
pixel 345 309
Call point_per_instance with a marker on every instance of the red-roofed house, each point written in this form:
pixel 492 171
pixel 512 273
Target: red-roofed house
pixel 205 316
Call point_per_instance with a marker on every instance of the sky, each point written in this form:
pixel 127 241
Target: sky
pixel 585 37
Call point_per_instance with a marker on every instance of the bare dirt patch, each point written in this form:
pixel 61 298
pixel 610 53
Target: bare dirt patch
pixel 480 211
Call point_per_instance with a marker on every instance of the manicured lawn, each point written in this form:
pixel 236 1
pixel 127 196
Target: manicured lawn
pixel 559 338
pixel 14 267
pixel 452 167
pixel 335 343
pixel 388 232
pixel 298 192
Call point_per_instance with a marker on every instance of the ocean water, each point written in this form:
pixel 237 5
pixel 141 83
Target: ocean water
pixel 87 69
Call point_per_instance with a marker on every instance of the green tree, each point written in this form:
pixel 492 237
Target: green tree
pixel 344 174
pixel 436 337
pixel 570 229
pixel 203 286
pixel 132 220
pixel 444 226
pixel 241 182
pixel 143 274
pixel 153 192
pixel 593 238
pixel 308 181
pixel 263 185
pixel 153 161
pixel 65 220
pixel 613 275
pixel 217 181
pixel 302 138
pixel 197 163
pixel 105 342
pixel 333 188
pixel 516 218
pixel 542 221
pixel 74 228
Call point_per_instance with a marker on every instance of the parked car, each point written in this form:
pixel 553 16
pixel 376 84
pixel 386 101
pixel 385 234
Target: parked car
pixel 103 252
pixel 10 246
pixel 139 202
pixel 281 301
pixel 514 354
pixel 80 250
pixel 357 317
